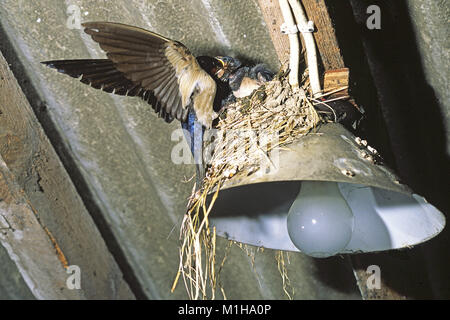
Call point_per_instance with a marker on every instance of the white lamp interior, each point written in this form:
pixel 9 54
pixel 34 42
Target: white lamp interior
pixel 256 214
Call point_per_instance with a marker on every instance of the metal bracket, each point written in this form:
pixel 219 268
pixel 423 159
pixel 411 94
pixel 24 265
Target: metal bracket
pixel 308 28
pixel 285 29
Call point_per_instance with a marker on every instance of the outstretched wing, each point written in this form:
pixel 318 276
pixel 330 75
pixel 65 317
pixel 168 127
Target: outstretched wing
pixel 102 74
pixel 160 65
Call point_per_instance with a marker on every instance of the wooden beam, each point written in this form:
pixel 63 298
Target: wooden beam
pixel 44 225
pixel 271 13
pixel 28 244
pixel 325 34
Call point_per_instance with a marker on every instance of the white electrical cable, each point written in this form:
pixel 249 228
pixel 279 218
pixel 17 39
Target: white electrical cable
pixel 294 45
pixel 308 38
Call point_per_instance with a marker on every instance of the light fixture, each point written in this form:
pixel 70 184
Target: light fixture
pixel 320 222
pixel 329 195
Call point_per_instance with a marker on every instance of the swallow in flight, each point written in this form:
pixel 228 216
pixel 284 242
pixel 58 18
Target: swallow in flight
pixel 159 70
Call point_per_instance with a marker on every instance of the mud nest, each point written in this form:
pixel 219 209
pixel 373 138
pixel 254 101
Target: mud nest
pixel 247 132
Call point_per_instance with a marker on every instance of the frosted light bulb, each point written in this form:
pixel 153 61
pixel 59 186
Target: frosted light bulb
pixel 320 222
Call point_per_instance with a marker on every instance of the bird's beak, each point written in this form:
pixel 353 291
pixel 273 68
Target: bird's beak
pixel 221 71
pixel 224 64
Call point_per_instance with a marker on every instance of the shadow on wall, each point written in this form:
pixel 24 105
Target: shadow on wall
pixel 415 122
pixel 336 272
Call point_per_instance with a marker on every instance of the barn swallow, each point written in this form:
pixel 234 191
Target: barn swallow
pixel 161 71
pixel 243 80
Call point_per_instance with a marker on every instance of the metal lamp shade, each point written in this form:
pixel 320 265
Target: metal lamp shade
pixel 387 214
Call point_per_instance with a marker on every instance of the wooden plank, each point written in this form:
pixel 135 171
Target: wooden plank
pixel 334 80
pixel 28 244
pixel 324 35
pixel 44 224
pixel 337 78
pixel 271 13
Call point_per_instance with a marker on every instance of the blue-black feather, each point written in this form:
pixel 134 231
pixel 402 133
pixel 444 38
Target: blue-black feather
pixel 193 131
